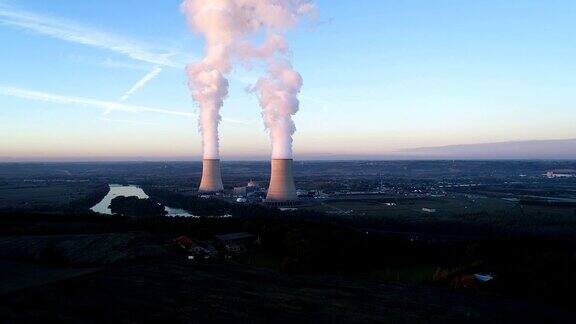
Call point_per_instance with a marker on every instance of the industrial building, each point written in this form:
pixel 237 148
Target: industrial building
pixel 282 188
pixel 211 176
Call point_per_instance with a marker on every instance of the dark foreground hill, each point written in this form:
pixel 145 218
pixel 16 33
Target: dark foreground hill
pixel 92 268
pixel 176 291
pixel 80 250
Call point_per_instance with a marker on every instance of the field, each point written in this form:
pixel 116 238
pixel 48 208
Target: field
pixel 445 207
pixel 491 214
pixel 46 194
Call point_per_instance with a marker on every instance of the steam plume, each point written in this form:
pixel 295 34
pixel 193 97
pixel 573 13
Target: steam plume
pixel 278 99
pixel 229 27
pixel 207 78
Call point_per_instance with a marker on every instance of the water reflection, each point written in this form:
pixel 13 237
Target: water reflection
pixel 103 207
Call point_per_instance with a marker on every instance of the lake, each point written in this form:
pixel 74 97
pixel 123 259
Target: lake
pixel 103 207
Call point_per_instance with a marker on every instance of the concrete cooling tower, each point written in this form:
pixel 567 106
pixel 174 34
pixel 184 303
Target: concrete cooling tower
pixel 282 188
pixel 211 177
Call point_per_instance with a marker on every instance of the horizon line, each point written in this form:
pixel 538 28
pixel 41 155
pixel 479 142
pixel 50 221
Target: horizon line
pixel 359 159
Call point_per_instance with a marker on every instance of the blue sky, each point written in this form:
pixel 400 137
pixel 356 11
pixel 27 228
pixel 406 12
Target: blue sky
pixel 380 76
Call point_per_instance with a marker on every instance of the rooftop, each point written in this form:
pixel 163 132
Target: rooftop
pixel 234 236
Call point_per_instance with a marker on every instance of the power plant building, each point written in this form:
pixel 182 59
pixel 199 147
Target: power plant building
pixel 282 188
pixel 250 188
pixel 211 176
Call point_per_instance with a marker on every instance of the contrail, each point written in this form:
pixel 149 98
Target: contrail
pixel 141 83
pixel 101 104
pixel 73 32
pixel 76 33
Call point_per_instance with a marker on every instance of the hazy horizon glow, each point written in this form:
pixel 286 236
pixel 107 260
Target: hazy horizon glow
pixel 89 80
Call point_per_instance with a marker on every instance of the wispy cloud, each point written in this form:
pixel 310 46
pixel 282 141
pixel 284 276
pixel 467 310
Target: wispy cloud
pixel 141 83
pixel 109 63
pixel 87 102
pixel 74 32
pixel 126 121
pixel 100 104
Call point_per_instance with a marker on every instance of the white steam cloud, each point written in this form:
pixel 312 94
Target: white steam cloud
pixel 278 99
pixel 229 27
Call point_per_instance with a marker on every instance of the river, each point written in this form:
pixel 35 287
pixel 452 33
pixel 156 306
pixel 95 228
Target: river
pixel 103 207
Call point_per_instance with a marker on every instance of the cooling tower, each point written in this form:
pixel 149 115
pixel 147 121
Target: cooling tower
pixel 211 177
pixel 282 186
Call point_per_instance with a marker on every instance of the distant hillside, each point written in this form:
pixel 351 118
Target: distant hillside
pixel 542 149
pixel 564 149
